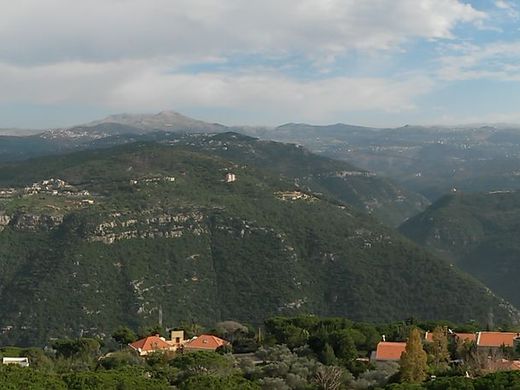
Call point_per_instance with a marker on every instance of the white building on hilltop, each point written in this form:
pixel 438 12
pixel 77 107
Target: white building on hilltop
pixel 18 361
pixel 230 178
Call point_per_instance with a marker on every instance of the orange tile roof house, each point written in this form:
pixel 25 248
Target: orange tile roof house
pixel 388 351
pixel 497 339
pixel 205 342
pixel 151 344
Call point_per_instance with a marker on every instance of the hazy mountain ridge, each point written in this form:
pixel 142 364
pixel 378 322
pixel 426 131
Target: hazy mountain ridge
pixel 164 120
pixel 376 195
pixel 428 160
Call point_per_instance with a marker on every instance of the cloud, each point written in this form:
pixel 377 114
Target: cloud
pixel 132 86
pixel 134 55
pixel 35 31
pixel 494 61
pixel 509 8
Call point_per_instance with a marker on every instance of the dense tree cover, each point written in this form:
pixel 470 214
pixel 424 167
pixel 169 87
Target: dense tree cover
pixel 81 348
pixel 172 248
pixel 124 335
pixel 478 232
pixel 496 381
pixel 327 353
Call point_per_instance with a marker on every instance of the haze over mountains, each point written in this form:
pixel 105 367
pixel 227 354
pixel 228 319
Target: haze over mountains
pixel 427 160
pixel 141 218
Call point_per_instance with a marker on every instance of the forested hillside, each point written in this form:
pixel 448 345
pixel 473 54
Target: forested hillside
pixel 99 238
pixel 478 232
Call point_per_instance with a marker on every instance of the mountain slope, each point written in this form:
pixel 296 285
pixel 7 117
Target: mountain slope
pixel 426 160
pixel 130 231
pixel 364 190
pixel 164 120
pixel 479 232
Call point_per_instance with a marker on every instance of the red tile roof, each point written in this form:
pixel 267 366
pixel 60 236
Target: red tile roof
pixel 150 343
pixel 466 336
pixel 496 339
pixel 205 341
pixel 387 350
pixel 509 365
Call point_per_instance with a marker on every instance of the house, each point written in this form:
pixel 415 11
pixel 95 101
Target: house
pixel 18 361
pixel 388 351
pixel 151 344
pixel 492 340
pixel 204 342
pixel 230 178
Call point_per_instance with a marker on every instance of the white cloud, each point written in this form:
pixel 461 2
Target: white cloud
pixel 35 31
pixel 130 86
pixel 136 54
pixel 494 61
pixel 508 7
pixel 271 93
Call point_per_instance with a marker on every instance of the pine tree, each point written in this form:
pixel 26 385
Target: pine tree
pixel 327 355
pixel 414 359
pixel 439 348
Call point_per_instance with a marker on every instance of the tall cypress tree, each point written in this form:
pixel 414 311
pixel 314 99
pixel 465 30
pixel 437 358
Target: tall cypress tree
pixel 414 359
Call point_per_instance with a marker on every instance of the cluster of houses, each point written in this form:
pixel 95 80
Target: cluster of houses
pixel 57 187
pixel 54 187
pixel 292 195
pixel 177 342
pixel 484 341
pixel 155 179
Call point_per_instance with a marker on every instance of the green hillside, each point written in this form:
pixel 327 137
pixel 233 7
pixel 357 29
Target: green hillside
pixel 134 230
pixel 478 232
pixel 390 202
pixel 375 195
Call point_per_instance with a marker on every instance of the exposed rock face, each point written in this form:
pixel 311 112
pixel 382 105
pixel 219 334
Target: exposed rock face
pixel 34 222
pixel 154 223
pixel 4 221
pixel 149 224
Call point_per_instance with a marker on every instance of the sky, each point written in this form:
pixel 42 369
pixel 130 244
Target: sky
pixel 261 62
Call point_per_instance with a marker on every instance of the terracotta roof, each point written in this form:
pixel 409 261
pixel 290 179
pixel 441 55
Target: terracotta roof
pixel 387 350
pixel 508 365
pixel 205 341
pixel 466 336
pixel 150 343
pixel 496 339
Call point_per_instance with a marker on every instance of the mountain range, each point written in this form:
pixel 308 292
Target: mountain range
pixel 94 239
pixel 391 202
pixel 430 161
pixel 115 221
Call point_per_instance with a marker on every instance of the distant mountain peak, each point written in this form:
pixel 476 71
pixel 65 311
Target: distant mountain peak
pixel 167 120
